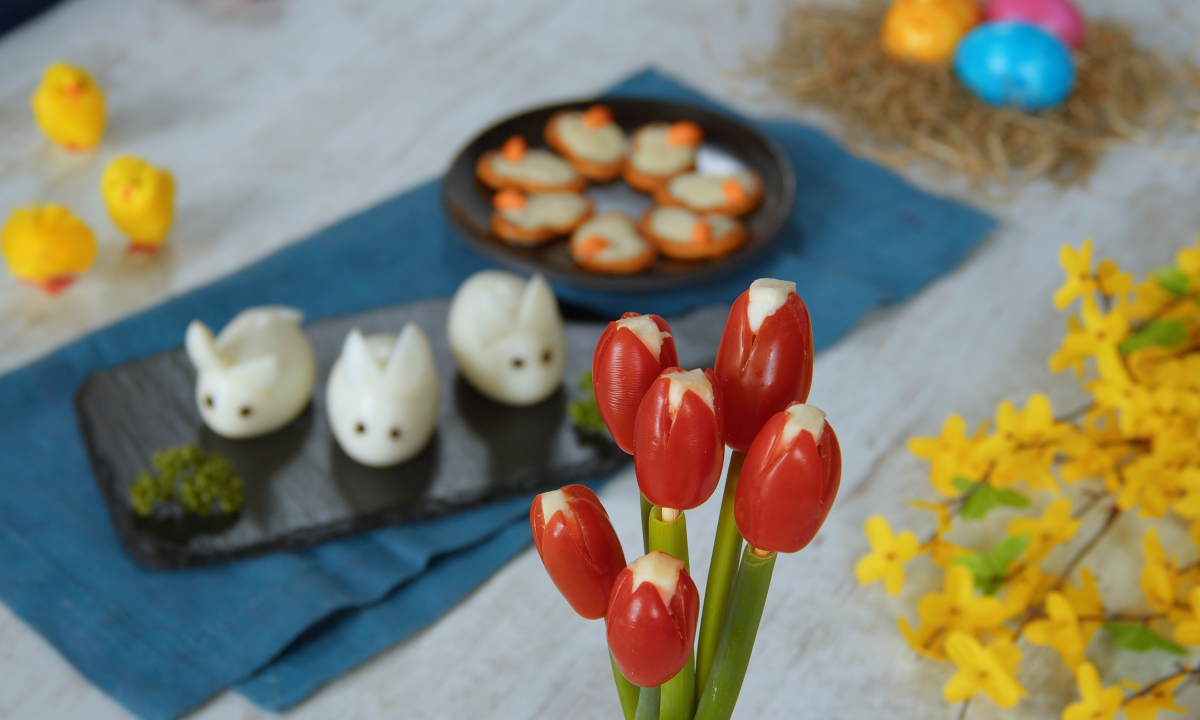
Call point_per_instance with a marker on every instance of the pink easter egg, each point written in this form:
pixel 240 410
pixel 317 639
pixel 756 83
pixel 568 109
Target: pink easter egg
pixel 1060 18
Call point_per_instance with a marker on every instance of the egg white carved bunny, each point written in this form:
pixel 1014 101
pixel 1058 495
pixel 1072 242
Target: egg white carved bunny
pixel 507 337
pixel 382 396
pixel 257 375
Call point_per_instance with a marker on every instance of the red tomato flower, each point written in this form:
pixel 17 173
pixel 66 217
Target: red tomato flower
pixel 789 480
pixel 678 444
pixel 651 621
pixel 578 547
pixel 765 358
pixel 631 353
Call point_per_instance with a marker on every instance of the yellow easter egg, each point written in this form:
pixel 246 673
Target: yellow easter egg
pixel 927 31
pixel 45 244
pixel 69 107
pixel 140 200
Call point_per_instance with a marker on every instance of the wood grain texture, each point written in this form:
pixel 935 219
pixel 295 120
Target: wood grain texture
pixel 281 116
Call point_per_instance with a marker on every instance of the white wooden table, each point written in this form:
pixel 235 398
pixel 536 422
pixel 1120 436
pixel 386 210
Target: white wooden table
pixel 280 116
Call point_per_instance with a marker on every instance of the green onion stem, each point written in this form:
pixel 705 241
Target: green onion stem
pixel 746 604
pixel 626 690
pixel 679 693
pixel 647 506
pixel 647 708
pixel 726 548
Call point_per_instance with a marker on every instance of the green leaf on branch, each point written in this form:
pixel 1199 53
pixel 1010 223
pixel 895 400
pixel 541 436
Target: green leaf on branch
pixel 1167 333
pixel 991 568
pixel 1173 280
pixel 982 497
pixel 584 412
pixel 1139 638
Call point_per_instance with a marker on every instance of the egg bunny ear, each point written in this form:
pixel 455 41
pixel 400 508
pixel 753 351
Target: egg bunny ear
pixel 362 368
pixel 202 348
pixel 261 372
pixel 539 307
pixel 408 368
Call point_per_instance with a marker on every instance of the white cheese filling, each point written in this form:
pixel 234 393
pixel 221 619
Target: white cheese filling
pixel 675 224
pixel 653 155
pixel 618 231
pixel 802 417
pixel 704 192
pixel 536 166
pixel 605 144
pixel 646 331
pixel 661 570
pixel 693 380
pixel 552 502
pixel 766 296
pixel 548 210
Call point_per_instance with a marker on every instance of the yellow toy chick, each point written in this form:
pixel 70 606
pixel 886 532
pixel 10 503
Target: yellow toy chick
pixel 69 107
pixel 140 200
pixel 46 245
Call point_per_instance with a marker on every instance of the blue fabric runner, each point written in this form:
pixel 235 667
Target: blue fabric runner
pixel 277 627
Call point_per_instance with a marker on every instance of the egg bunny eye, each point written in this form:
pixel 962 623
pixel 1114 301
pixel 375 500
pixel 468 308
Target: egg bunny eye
pixel 246 411
pixel 518 363
pixel 360 428
pixel 208 401
pixel 395 433
pixel 547 356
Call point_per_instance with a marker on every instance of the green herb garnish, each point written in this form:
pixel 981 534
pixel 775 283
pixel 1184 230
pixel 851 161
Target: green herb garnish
pixel 199 483
pixel 584 412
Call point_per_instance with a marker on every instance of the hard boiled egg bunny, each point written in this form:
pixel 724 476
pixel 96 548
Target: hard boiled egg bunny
pixel 507 337
pixel 257 375
pixel 382 396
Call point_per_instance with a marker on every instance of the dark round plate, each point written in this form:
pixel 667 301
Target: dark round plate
pixel 727 144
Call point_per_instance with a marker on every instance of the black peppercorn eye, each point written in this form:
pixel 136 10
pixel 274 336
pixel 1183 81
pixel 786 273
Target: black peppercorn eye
pixel 395 433
pixel 518 363
pixel 208 400
pixel 246 411
pixel 360 428
pixel 546 357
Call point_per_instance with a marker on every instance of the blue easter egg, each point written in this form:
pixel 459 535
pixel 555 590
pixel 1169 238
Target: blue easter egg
pixel 1015 64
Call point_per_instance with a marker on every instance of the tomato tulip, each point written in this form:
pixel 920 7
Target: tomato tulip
pixel 578 547
pixel 678 443
pixel 789 480
pixel 765 358
pixel 651 621
pixel 631 353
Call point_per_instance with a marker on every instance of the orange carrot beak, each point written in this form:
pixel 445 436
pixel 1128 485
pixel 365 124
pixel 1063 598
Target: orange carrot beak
pixel 684 133
pixel 508 200
pixel 591 246
pixel 513 149
pixel 733 191
pixel 596 117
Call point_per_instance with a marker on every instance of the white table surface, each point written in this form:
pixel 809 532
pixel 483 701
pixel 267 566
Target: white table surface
pixel 279 117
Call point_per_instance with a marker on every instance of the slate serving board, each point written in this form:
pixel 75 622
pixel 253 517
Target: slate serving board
pixel 728 145
pixel 301 489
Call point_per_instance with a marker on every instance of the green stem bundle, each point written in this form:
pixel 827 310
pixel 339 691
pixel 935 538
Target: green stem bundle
pixel 647 506
pixel 749 597
pixel 726 548
pixel 678 698
pixel 627 691
pixel 648 703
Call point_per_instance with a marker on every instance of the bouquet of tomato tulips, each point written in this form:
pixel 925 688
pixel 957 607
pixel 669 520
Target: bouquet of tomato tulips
pixel 781 483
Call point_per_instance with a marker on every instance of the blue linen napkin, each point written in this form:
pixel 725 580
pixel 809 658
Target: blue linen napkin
pixel 277 627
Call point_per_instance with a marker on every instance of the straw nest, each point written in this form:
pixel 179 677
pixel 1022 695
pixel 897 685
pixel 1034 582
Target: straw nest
pixel 831 57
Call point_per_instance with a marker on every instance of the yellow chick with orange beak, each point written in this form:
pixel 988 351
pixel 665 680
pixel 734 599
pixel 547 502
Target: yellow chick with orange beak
pixel 47 246
pixel 69 107
pixel 140 200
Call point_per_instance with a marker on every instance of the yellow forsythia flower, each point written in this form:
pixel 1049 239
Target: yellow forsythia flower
pixel 1161 697
pixel 1060 630
pixel 1150 485
pixel 989 669
pixel 1158 579
pixel 1027 589
pixel 888 554
pixel 956 608
pixel 1188 260
pixel 951 455
pixel 1053 528
pixel 1188 631
pixel 941 550
pixel 1087 604
pixel 1096 703
pixel 1024 445
pixel 1111 281
pixel 1078 267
